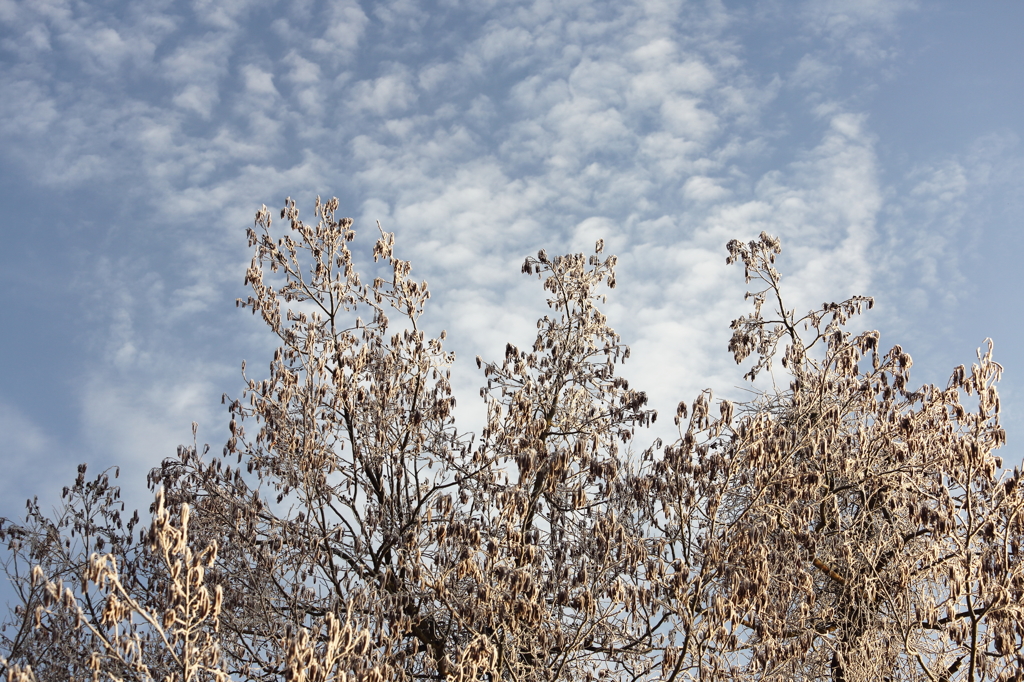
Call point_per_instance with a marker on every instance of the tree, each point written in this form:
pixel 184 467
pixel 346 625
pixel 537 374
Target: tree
pixel 843 527
pixel 849 528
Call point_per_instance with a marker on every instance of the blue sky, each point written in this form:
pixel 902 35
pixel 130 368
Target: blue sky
pixel 881 139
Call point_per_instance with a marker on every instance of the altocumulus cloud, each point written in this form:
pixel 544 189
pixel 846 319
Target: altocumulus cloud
pixel 478 132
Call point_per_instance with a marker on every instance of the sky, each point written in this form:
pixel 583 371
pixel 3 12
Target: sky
pixel 880 139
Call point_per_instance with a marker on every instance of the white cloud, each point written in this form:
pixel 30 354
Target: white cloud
pixel 862 28
pixel 435 75
pixel 686 118
pixel 588 231
pixel 8 11
pixel 657 80
pixel 703 189
pixel 345 24
pixel 28 109
pixel 388 94
pixel 259 82
pixel 198 99
pixel 201 59
pixel 223 14
pixel 105 49
pixel 137 425
pixel 931 228
pixel 478 136
pixel 302 71
pixel 813 72
pixel 36 37
pixel 405 13
pixel 500 42
pixel 940 185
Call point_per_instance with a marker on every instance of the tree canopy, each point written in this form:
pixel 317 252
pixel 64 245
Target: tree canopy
pixel 841 526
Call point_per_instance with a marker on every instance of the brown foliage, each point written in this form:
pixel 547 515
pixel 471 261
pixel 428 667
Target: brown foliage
pixel 844 527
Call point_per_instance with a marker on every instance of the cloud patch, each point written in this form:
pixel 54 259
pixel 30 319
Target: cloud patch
pixel 479 134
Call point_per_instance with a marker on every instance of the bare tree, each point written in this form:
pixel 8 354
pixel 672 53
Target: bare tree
pixel 842 527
